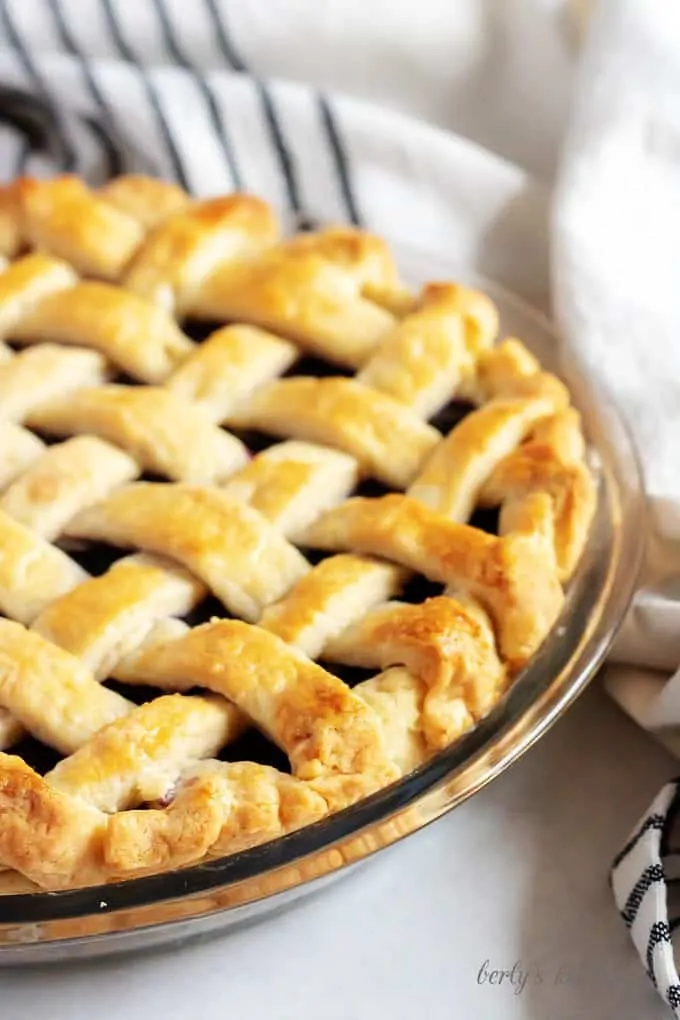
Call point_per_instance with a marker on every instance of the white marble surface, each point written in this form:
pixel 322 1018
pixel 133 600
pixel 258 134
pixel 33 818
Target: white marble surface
pixel 519 873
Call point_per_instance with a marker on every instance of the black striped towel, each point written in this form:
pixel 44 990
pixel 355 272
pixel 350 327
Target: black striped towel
pixel 646 883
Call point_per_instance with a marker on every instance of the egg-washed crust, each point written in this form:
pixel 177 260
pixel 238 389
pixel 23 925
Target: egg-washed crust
pixel 389 442
pixel 142 420
pixel 95 285
pixel 512 576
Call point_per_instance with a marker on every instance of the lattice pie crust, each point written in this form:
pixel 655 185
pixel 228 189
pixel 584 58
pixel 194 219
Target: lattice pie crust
pixel 92 296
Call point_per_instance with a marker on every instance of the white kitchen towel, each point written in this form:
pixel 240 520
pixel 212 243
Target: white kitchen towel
pixel 616 263
pixel 183 90
pixel 616 259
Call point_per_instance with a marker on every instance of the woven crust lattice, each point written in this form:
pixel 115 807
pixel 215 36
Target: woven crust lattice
pixel 114 432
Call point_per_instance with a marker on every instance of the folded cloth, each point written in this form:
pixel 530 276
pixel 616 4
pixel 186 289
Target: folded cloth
pixel 616 266
pixel 184 91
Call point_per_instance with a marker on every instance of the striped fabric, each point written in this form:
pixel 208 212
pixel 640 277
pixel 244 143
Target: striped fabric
pixel 646 882
pixel 162 88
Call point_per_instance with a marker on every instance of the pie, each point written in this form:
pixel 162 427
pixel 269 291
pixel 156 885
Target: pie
pixel 274 530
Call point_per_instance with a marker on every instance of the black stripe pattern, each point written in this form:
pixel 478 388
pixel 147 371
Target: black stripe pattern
pixel 669 827
pixel 114 163
pixel 95 143
pixel 651 822
pixel 126 53
pixel 653 873
pixel 62 149
pixel 658 933
pixel 337 148
pixel 641 886
pixel 217 122
pixel 31 118
pixel 276 129
pixel 235 61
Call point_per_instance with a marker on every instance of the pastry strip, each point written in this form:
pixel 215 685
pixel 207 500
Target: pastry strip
pixel 32 572
pixel 310 290
pixel 137 337
pixel 337 592
pixel 229 366
pixel 44 373
pixel 330 736
pixel 186 248
pixel 164 433
pixel 241 558
pixel 67 478
pixel 453 475
pixel 52 693
pixel 514 577
pixel 293 483
pixel 106 617
pixel 389 441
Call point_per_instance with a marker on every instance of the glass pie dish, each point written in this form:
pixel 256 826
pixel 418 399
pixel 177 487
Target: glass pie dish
pixel 149 911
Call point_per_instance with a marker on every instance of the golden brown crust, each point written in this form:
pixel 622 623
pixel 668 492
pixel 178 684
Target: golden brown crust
pixel 229 367
pixel 329 735
pixel 562 433
pixel 455 472
pixel 292 483
pixel 13 883
pixel 479 313
pixel 11 730
pixel 106 617
pixel 309 289
pixel 32 572
pixel 66 479
pixel 137 758
pixel 397 698
pixel 145 199
pixel 421 361
pixel 330 597
pixel 226 527
pixel 536 468
pixel 510 370
pixel 143 420
pixel 220 808
pixel 512 577
pixel 135 336
pixel 53 839
pixel 51 692
pixel 184 249
pixel 241 558
pixel 364 257
pixel 446 643
pixel 45 372
pixel 19 449
pixel 62 842
pixel 389 442
pixel 64 217
pixel 26 283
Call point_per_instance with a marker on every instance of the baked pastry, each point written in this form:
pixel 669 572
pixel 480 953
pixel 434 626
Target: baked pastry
pixel 132 508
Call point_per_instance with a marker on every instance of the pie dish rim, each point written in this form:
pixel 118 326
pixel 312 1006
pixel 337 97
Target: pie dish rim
pixel 223 889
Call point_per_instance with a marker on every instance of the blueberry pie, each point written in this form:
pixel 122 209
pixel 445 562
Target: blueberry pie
pixel 274 529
